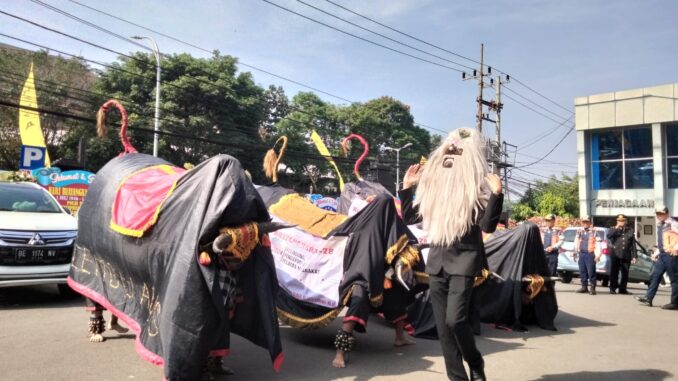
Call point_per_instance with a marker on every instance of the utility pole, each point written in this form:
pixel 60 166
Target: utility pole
pixel 479 117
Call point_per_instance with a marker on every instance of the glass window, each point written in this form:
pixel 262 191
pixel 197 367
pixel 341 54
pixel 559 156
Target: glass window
pixel 639 174
pixel 672 140
pixel 607 145
pixel 672 172
pixel 622 159
pixel 637 143
pixel 610 175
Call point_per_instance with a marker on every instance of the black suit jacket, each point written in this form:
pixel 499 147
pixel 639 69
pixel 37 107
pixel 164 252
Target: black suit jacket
pixel 466 256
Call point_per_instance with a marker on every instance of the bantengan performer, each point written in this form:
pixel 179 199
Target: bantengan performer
pixel 456 200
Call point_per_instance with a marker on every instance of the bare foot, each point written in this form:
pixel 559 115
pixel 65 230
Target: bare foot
pixel 115 326
pixel 339 361
pixel 403 341
pixel 97 338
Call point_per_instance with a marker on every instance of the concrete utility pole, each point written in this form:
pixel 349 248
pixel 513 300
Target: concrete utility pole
pixel 156 127
pixel 481 75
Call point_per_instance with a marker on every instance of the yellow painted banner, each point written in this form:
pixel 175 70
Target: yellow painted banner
pixel 326 153
pixel 29 120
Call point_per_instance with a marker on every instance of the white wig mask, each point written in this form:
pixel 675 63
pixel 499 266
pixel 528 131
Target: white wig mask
pixel 452 190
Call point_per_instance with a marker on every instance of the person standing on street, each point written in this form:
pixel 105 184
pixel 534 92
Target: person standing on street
pixel 623 240
pixel 665 259
pixel 585 247
pixel 457 201
pixel 550 237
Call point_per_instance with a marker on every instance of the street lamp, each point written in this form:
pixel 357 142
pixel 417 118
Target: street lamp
pixel 397 151
pixel 156 53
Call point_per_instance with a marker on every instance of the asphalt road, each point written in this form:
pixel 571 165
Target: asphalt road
pixel 603 337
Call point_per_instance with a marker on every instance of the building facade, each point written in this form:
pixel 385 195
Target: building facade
pixel 627 147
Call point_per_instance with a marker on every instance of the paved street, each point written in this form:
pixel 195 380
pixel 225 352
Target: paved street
pixel 606 337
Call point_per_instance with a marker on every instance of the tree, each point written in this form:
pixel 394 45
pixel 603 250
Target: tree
pixel 386 121
pixel 61 85
pixel 556 196
pixel 200 98
pixel 521 212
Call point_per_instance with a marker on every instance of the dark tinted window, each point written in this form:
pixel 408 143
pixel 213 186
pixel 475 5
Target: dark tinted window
pixel 608 175
pixel 639 174
pixel 607 145
pixel 672 172
pixel 637 143
pixel 18 198
pixel 672 140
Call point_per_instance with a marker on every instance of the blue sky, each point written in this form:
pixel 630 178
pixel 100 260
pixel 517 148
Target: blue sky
pixel 562 49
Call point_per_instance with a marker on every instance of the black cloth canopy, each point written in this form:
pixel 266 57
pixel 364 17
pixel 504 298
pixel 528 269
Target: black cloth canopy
pixel 155 283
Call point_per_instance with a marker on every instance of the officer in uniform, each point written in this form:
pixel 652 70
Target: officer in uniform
pixel 550 237
pixel 665 258
pixel 585 247
pixel 623 240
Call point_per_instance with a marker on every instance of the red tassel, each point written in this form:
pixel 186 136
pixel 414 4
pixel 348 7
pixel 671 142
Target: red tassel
pixel 265 241
pixel 205 259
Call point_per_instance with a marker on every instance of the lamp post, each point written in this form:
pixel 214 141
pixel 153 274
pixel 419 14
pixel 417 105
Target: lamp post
pixel 156 53
pixel 397 151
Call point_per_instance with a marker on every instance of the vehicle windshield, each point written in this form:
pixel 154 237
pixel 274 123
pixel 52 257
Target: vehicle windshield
pixel 18 198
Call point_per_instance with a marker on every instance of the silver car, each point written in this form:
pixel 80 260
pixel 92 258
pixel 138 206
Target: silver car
pixel 36 237
pixel 568 266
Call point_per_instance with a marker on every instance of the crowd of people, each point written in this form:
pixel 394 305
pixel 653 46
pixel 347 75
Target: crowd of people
pixel 622 254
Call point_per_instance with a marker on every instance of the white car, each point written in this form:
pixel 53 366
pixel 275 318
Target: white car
pixel 36 237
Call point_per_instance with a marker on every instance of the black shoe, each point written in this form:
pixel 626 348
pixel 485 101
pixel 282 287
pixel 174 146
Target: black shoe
pixel 478 374
pixel 582 290
pixel 644 300
pixel 593 291
pixel 624 292
pixel 670 306
pixel 613 292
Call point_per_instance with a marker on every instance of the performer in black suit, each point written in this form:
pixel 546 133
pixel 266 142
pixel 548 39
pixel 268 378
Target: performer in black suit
pixel 456 200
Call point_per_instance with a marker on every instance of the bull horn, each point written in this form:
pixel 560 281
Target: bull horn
pixel 546 279
pixel 495 275
pixel 399 274
pixel 270 227
pixel 222 241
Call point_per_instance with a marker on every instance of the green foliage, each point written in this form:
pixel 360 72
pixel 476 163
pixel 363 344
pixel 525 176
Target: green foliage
pixel 556 196
pixel 61 85
pixel 521 211
pixel 202 98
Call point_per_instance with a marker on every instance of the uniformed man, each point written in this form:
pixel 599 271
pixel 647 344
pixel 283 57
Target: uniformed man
pixel 622 239
pixel 550 237
pixel 665 258
pixel 585 247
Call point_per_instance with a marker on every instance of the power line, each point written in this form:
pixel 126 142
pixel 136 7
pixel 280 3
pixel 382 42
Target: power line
pixel 402 33
pixel 551 151
pixel 534 103
pixel 212 52
pixel 539 138
pixel 107 31
pixel 532 109
pixel 448 51
pixel 383 36
pixel 362 38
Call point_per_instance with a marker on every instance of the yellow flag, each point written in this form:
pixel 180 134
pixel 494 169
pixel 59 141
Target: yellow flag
pixel 29 120
pixel 325 152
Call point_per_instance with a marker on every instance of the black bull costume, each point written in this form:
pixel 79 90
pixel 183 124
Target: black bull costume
pixel 521 298
pixel 378 238
pixel 156 283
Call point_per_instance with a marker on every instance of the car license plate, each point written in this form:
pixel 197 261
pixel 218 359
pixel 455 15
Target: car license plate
pixel 34 255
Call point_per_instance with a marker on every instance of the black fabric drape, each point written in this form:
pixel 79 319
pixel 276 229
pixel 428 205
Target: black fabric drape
pixel 155 283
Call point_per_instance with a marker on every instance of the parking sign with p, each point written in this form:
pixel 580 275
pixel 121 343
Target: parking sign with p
pixel 32 157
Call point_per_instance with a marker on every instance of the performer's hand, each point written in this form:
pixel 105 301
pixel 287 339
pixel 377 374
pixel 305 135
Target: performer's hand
pixel 494 182
pixel 412 176
pixel 633 261
pixel 597 259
